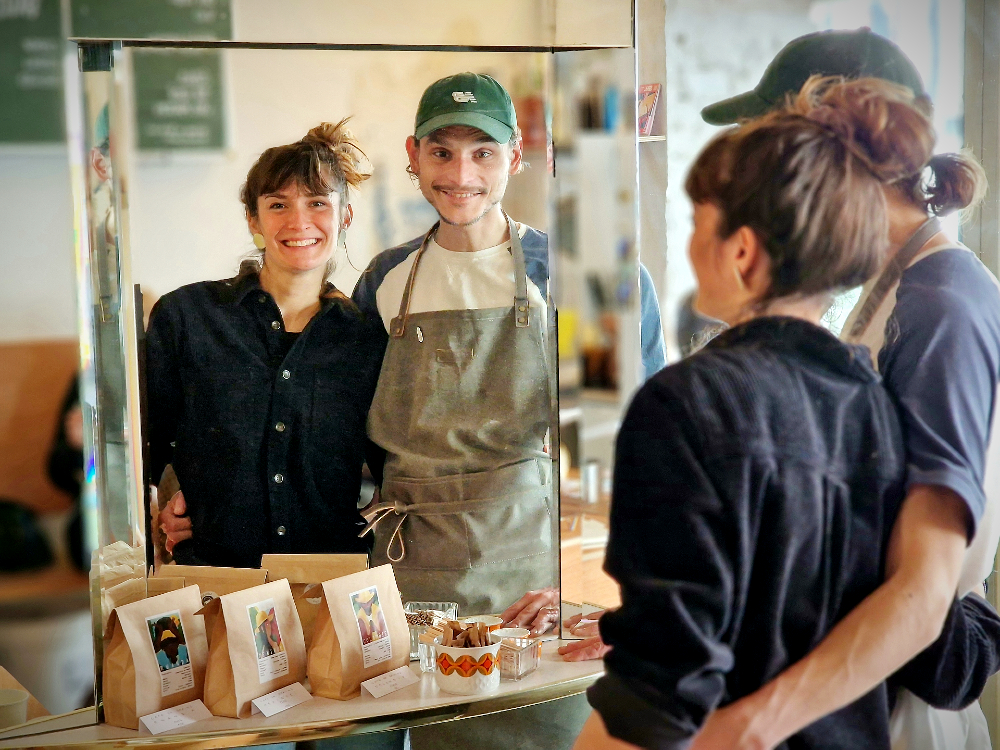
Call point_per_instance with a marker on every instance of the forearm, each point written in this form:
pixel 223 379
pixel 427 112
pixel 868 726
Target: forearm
pixel 892 625
pixel 594 736
pixel 873 641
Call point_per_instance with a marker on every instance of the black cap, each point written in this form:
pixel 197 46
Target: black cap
pixel 852 54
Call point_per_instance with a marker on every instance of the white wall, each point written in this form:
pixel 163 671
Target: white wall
pixel 187 222
pixel 37 272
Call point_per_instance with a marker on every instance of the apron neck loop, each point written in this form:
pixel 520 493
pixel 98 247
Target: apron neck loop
pixel 397 328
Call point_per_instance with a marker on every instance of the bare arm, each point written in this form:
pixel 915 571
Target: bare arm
pixel 594 736
pixel 891 626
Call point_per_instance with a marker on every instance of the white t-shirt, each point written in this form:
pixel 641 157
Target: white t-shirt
pixel 450 280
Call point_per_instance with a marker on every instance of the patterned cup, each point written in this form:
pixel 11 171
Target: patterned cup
pixel 467 671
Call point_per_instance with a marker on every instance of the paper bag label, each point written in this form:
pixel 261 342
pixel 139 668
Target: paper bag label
pixel 376 645
pixel 272 660
pixel 166 633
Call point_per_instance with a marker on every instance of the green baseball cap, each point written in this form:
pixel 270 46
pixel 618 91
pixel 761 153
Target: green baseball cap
pixel 466 99
pixel 852 54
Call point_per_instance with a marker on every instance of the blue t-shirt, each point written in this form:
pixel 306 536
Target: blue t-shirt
pixel 941 361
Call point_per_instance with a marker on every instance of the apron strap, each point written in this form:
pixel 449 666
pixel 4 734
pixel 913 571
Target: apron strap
pixel 397 327
pixel 377 513
pixel 521 307
pixel 891 274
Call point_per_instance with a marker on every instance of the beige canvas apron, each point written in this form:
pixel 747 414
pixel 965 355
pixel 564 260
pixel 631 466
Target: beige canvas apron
pixel 463 404
pixel 914 725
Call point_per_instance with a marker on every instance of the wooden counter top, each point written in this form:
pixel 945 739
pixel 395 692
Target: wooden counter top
pixel 415 705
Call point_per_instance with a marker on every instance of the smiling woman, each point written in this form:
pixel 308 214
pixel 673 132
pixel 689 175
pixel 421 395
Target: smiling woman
pixel 259 385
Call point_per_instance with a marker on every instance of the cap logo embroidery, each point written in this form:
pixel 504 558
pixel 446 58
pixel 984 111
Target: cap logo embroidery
pixel 464 97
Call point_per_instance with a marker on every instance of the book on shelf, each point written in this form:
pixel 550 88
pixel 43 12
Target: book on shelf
pixel 649 94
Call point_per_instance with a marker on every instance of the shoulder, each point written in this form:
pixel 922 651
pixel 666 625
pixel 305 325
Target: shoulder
pixel 948 291
pixel 385 261
pixel 536 256
pixel 195 296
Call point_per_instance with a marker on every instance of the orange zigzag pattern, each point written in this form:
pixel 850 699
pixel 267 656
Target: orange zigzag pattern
pixel 466 666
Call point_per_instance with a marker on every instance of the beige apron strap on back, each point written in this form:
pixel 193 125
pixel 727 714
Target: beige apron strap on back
pixel 891 274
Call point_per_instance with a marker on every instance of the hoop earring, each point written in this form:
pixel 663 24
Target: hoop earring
pixel 258 241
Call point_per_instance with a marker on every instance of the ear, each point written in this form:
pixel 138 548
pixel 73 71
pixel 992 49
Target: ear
pixel 516 153
pixel 347 218
pixel 99 162
pixel 413 152
pixel 253 225
pixel 751 261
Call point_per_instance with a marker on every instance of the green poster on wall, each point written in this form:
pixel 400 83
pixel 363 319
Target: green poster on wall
pixel 178 93
pixel 31 52
pixel 152 19
pixel 179 99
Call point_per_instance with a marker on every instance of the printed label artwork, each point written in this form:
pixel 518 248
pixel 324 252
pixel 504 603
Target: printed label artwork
pixel 166 632
pixel 272 661
pixel 376 646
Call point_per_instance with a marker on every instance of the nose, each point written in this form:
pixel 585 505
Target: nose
pixel 463 170
pixel 298 217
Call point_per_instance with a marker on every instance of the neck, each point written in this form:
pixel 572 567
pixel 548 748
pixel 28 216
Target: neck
pixel 810 309
pixel 904 220
pixel 489 231
pixel 296 294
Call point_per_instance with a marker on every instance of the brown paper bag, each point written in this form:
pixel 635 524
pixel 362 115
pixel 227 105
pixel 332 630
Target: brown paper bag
pixel 360 633
pixel 157 586
pixel 214 582
pixel 305 574
pixel 155 655
pixel 256 648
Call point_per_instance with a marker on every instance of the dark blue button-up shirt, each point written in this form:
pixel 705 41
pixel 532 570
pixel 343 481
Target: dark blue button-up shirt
pixel 266 432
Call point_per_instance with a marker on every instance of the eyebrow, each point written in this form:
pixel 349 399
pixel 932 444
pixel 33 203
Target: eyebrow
pixel 434 138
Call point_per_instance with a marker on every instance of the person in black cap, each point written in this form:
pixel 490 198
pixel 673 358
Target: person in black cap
pixel 766 519
pixel 931 320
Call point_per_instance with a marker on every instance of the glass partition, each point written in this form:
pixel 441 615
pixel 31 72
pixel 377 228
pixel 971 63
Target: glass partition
pixel 166 213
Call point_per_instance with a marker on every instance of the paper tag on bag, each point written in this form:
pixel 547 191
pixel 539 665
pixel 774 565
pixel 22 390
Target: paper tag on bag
pixel 176 717
pixel 280 700
pixel 389 682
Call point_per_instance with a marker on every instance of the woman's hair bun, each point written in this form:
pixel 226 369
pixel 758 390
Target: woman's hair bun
pixel 890 131
pixel 347 156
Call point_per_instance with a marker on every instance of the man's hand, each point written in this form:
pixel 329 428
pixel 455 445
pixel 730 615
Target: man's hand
pixel 585 650
pixel 174 521
pixel 537 610
pixel 584 626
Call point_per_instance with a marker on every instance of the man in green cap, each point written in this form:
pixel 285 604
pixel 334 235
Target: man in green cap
pixel 464 402
pixel 463 407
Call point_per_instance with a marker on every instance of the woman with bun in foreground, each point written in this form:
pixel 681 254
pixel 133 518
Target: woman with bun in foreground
pixel 760 514
pixel 259 385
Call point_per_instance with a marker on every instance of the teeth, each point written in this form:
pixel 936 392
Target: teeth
pixel 301 243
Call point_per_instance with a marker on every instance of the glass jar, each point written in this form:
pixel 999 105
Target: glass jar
pixel 443 610
pixel 518 657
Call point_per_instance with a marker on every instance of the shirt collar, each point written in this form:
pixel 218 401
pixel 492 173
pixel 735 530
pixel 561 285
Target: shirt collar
pixel 799 337
pixel 247 281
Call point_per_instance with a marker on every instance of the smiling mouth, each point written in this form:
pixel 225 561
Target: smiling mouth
pixel 300 243
pixel 460 194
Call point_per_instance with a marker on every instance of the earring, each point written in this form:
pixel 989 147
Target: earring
pixel 739 280
pixel 258 241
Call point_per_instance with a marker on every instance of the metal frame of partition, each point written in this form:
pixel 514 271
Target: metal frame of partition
pixel 104 57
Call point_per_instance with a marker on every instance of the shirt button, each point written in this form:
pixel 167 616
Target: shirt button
pixel 280 427
pixel 280 530
pixel 261 298
pixel 286 374
pixel 279 478
pixel 275 325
